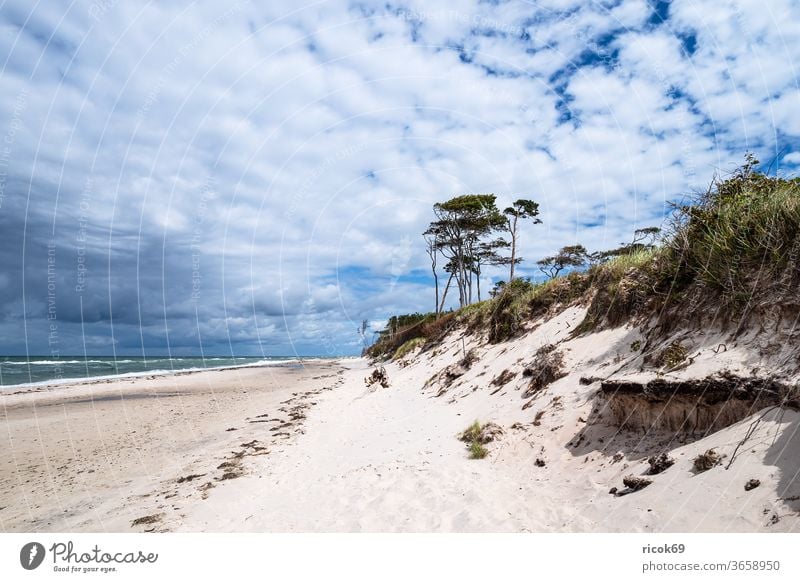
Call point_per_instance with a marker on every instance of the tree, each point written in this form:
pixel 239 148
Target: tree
pixel 569 256
pixel 648 235
pixel 462 223
pixel 521 209
pixel 487 254
pixel 399 323
pixel 643 239
pixel 431 239
pixel 448 268
pixel 497 289
pixel 362 331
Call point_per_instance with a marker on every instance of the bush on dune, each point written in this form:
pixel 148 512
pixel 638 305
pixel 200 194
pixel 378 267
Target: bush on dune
pixel 408 347
pixel 504 316
pixel 732 249
pixel 423 330
pixel 740 240
pixel 622 287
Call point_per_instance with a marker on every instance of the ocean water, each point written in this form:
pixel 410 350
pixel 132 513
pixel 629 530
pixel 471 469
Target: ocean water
pixel 21 370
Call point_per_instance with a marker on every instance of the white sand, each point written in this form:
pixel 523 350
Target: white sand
pixel 96 456
pixel 388 459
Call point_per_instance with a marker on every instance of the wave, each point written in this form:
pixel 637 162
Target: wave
pixel 111 362
pixel 59 362
pixel 157 372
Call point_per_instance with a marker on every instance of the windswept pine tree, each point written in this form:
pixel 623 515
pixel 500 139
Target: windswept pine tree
pixel 520 210
pixel 465 234
pixel 462 224
pixel 569 256
pixel 643 239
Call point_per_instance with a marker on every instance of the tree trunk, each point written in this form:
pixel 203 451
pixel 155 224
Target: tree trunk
pixel 432 254
pixel 462 292
pixel 436 284
pixel 444 295
pixel 513 230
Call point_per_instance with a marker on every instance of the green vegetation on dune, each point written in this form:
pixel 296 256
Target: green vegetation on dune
pixel 621 288
pixel 741 239
pixel 477 450
pixel 472 433
pixel 732 250
pixel 408 347
pixel 418 329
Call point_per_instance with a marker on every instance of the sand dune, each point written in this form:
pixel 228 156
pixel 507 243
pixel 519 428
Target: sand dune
pixel 318 450
pixel 388 459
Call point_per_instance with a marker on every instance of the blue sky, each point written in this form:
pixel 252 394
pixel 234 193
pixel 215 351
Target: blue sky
pixel 253 177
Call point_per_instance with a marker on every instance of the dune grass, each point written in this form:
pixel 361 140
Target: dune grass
pixel 520 301
pixel 477 450
pixel 473 436
pixel 730 249
pixel 408 347
pixel 472 433
pixel 739 239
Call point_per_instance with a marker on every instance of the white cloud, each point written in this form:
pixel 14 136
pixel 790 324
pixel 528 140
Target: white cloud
pixel 329 132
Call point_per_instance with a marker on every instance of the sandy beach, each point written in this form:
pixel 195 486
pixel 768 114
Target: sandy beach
pixel 314 448
pixel 98 455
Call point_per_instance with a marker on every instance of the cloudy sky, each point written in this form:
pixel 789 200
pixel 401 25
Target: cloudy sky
pixel 253 177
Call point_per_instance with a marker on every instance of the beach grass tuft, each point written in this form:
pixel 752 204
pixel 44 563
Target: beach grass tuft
pixel 477 450
pixel 473 433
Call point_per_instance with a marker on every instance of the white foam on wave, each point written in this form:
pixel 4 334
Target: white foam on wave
pixel 86 379
pixel 59 362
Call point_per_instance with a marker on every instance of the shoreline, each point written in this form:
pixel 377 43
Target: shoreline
pixel 100 455
pixel 58 383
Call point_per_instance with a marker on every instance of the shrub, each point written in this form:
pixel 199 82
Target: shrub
pixel 470 358
pixel 623 288
pixel 408 347
pixel 522 300
pixel 634 483
pixel 562 290
pixel 739 240
pixel 434 329
pixel 404 328
pixel 728 249
pixel 378 376
pixel 659 463
pixel 706 461
pixel 507 313
pixel 503 378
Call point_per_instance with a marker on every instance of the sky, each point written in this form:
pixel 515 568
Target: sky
pixel 253 178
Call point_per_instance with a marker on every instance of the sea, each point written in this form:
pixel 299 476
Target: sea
pixel 15 371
